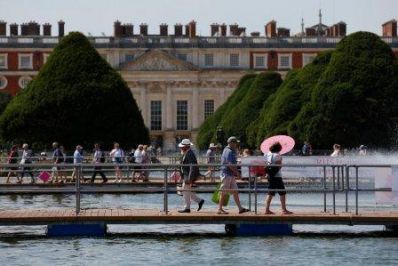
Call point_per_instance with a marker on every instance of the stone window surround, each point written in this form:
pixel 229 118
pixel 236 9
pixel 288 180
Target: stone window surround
pixel 157 111
pixel 206 107
pixel 20 61
pixel 3 78
pixel 265 56
pixel 237 57
pixel 308 55
pixel 177 116
pixel 5 60
pixel 22 79
pixel 279 61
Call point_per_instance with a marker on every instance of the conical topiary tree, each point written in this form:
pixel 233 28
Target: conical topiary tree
pixel 77 98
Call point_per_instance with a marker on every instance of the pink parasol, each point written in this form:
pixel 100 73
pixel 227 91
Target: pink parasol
pixel 286 142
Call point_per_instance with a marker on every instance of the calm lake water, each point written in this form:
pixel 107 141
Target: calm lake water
pixel 195 244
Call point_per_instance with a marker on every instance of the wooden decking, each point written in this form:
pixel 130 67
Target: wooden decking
pixel 147 216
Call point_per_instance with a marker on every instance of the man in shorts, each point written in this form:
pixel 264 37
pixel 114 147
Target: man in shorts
pixel 229 171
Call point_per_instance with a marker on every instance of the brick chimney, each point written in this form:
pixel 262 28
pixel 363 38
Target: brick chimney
pixel 47 29
pixel 255 34
pixel 164 29
pixel 24 29
pixel 144 29
pixel 192 29
pixel 270 29
pixel 33 28
pixel 223 30
pixel 178 30
pixel 283 32
pixel 390 28
pixel 14 29
pixel 61 28
pixel 117 29
pixel 3 28
pixel 128 30
pixel 241 31
pixel 214 29
pixel 310 32
pixel 186 30
pixel 233 29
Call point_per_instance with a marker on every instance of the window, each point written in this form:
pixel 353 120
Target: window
pixel 129 57
pixel 209 60
pixel 25 61
pixel 308 58
pixel 234 60
pixel 182 57
pixel 209 108
pixel 182 115
pixel 285 61
pixel 45 58
pixel 260 61
pixel 156 115
pixel 3 82
pixel 24 81
pixel 3 61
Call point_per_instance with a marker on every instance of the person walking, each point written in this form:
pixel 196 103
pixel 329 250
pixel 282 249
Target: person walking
pixel 190 172
pixel 146 159
pixel 26 159
pixel 336 151
pixel 62 172
pixel 58 158
pixel 275 178
pixel 13 159
pixel 117 156
pixel 98 159
pixel 138 157
pixel 211 159
pixel 229 172
pixel 77 161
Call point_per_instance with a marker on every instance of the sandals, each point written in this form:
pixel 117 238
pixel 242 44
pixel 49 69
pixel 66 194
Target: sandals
pixel 222 212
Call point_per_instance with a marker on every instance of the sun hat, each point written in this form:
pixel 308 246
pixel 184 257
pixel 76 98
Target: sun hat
pixel 232 139
pixel 185 142
pixel 212 146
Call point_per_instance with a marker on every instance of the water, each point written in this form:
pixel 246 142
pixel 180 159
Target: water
pixel 195 244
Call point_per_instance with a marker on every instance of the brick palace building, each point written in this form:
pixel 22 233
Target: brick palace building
pixel 177 79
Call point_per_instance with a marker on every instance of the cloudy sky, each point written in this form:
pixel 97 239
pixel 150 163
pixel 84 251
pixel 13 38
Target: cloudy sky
pixel 97 16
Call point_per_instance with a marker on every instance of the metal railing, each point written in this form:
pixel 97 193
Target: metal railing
pixel 338 179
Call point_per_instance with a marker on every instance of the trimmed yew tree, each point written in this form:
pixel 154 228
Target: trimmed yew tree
pixel 77 98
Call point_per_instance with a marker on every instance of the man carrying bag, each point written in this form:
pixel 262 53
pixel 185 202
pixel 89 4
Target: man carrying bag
pixel 190 172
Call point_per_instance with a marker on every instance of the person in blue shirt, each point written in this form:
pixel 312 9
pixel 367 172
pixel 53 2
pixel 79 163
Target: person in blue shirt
pixel 77 159
pixel 229 172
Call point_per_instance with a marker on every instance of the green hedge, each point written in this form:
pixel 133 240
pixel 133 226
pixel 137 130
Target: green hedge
pixel 77 98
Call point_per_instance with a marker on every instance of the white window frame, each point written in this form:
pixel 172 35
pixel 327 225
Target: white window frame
pixel 181 55
pixel 152 115
pixel 265 56
pixel 177 115
pixel 5 83
pixel 205 63
pixel 306 56
pixel 279 61
pixel 206 112
pixel 45 58
pixel 20 60
pixel 230 60
pixel 5 60
pixel 129 54
pixel 21 79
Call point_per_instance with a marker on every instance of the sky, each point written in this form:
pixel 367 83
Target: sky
pixel 97 16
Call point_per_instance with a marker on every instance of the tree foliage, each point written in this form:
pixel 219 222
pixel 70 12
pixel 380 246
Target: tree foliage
pixel 77 98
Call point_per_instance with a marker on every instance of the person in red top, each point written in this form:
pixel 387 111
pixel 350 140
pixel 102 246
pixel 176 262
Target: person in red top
pixel 13 159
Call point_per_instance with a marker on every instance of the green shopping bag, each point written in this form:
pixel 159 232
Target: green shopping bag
pixel 217 195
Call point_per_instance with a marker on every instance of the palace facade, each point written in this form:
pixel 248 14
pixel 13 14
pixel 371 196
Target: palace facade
pixel 178 79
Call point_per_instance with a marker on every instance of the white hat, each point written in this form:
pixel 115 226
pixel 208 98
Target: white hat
pixel 232 139
pixel 212 146
pixel 185 142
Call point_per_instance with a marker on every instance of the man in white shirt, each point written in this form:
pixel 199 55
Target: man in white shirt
pixel 26 159
pixel 138 156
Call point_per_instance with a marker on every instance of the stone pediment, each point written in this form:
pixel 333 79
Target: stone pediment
pixel 158 60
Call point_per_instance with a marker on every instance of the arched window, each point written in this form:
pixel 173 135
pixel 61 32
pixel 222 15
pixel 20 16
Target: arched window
pixel 24 81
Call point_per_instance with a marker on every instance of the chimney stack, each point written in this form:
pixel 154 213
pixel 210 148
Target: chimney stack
pixel 61 28
pixel 192 29
pixel 214 29
pixel 14 29
pixel 24 29
pixel 33 29
pixel 223 30
pixel 3 28
pixel 178 30
pixel 144 29
pixel 47 29
pixel 164 30
pixel 117 29
pixel 233 29
pixel 283 32
pixel 128 30
pixel 187 30
pixel 270 29
pixel 310 32
pixel 390 28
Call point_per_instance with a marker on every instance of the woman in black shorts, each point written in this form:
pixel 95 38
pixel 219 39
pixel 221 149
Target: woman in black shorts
pixel 275 178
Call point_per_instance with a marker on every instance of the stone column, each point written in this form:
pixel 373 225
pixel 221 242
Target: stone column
pixel 195 108
pixel 169 109
pixel 144 105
